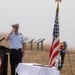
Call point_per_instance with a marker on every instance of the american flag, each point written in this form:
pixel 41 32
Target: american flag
pixel 55 43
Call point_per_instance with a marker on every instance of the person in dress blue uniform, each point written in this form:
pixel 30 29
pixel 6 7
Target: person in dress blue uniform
pixel 17 45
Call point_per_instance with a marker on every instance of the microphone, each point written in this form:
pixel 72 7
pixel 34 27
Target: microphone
pixel 2 39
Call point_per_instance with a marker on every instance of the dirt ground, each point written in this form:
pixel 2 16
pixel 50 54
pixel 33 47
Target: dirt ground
pixel 41 57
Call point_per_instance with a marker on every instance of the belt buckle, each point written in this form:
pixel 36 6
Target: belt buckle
pixel 17 49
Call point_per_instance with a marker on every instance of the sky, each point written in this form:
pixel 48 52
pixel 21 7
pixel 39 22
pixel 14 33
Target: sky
pixel 36 18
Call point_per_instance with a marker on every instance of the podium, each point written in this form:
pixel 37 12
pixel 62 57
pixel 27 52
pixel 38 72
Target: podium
pixel 4 60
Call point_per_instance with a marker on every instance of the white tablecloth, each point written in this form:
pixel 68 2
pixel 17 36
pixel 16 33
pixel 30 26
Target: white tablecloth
pixel 30 69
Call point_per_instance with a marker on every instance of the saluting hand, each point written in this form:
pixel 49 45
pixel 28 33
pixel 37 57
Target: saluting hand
pixel 11 31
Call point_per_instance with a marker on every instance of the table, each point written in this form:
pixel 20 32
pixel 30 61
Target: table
pixel 35 69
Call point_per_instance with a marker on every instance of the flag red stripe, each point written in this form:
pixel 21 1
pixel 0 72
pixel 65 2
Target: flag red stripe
pixel 55 45
pixel 54 55
pixel 53 64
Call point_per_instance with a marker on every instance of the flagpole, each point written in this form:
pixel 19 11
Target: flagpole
pixel 57 2
pixel 59 30
pixel 56 41
pixel 57 7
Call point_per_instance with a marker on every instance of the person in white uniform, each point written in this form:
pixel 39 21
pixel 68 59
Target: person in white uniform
pixel 17 45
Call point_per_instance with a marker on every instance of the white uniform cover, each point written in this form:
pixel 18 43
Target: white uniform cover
pixel 35 69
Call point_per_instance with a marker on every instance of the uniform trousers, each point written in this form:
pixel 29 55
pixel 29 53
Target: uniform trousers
pixel 15 59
